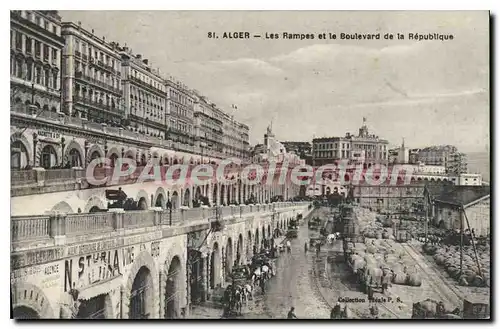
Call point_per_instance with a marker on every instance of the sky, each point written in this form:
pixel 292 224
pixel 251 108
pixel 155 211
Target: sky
pixel 427 92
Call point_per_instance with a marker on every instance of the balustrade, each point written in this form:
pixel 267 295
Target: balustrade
pixel 21 177
pixel 94 222
pixel 28 228
pixel 138 218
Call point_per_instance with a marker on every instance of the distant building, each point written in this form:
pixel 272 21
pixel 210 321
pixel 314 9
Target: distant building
pixel 399 155
pixel 457 163
pixel 453 207
pixel 273 150
pixel 364 148
pixel 302 149
pixel 413 156
pixel 444 155
pixel 436 155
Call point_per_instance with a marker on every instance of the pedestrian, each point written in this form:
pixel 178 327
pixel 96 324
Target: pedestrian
pixel 335 313
pixel 305 247
pixel 263 285
pixel 291 314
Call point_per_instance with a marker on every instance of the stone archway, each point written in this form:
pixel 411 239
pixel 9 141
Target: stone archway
pixel 94 152
pixel 142 284
pixel 141 295
pixel 187 197
pixel 21 151
pixel 229 257
pixel 73 154
pixel 142 204
pixel 249 245
pixel 175 200
pixel 198 193
pixel 93 203
pixel 214 196
pixel 257 241
pixel 24 313
pixel 63 207
pixel 29 302
pixel 173 289
pixel 160 198
pixel 239 250
pixel 222 194
pixel 215 263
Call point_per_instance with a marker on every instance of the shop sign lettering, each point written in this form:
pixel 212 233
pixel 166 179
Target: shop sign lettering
pixel 87 270
pixel 94 247
pixel 22 274
pixel 36 257
pixel 84 271
pixel 49 134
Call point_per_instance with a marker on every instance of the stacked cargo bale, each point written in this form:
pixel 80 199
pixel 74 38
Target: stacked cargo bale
pixel 448 257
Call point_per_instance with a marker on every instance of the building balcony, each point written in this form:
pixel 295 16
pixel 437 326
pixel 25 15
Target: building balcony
pixel 43 229
pixel 105 86
pixel 106 67
pixel 96 105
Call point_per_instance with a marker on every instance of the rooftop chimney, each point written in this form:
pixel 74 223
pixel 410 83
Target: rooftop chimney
pixel 145 61
pixel 138 56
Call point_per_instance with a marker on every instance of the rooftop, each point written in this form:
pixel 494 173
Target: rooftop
pixel 458 195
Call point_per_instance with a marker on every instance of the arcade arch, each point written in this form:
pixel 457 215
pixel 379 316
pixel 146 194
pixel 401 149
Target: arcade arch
pixel 173 289
pixel 229 257
pixel 239 250
pixel 141 296
pixel 215 262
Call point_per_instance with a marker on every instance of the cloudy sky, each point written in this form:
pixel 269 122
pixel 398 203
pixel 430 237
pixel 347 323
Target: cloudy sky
pixel 429 92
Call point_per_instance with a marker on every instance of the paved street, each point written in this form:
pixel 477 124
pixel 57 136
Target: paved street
pixel 294 285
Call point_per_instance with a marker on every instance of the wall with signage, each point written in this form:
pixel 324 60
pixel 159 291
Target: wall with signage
pixel 46 278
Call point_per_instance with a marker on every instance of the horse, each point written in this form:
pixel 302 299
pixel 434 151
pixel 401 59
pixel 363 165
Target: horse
pixel 256 276
pixel 238 299
pixel 248 292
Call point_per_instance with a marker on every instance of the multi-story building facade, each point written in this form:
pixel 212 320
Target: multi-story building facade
pixel 35 60
pixel 436 155
pixel 236 138
pixel 209 132
pixel 91 74
pixel 180 109
pixel 457 163
pixel 365 146
pixel 144 92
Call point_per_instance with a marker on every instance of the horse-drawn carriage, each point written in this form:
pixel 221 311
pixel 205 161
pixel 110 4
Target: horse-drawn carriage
pixel 292 233
pixel 314 223
pixel 315 240
pixel 238 291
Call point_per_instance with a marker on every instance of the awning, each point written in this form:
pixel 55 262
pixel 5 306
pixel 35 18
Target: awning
pixel 100 288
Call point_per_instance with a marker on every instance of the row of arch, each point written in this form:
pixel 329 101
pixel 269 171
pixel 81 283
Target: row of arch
pixel 146 295
pixel 216 194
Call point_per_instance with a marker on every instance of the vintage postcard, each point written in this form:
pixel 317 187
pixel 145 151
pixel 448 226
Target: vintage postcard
pixel 250 164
